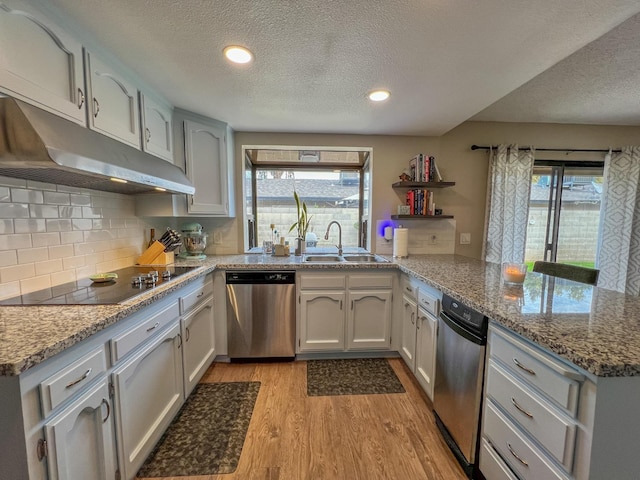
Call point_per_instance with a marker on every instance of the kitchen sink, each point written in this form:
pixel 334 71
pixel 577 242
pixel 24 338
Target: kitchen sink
pixel 323 258
pixel 365 258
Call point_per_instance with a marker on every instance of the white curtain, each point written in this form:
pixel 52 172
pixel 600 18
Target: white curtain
pixel 508 190
pixel 619 239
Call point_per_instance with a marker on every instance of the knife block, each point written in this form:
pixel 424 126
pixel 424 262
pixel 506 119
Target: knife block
pixel 155 255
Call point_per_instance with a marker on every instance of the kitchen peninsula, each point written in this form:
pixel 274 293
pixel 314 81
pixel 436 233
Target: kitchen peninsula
pixel 595 331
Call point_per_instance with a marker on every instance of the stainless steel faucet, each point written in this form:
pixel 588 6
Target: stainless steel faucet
pixel 326 235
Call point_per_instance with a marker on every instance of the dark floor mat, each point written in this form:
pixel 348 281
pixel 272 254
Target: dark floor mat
pixel 351 377
pixel 207 435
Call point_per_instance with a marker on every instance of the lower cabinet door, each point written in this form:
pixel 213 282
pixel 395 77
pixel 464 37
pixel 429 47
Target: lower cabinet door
pixel 426 346
pixel 322 317
pixel 369 320
pixel 199 344
pixel 148 393
pixel 80 440
pixel 408 340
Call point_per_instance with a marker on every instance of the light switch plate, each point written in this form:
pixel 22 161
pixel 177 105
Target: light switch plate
pixel 465 238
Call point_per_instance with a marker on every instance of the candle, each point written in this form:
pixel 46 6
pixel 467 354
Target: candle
pixel 514 272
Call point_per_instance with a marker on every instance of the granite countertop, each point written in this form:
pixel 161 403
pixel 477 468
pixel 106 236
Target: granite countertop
pixel 596 329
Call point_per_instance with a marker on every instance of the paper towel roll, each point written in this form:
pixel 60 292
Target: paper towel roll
pixel 400 242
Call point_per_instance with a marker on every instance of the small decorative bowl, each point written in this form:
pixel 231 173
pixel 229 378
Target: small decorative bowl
pixel 103 277
pixel 514 273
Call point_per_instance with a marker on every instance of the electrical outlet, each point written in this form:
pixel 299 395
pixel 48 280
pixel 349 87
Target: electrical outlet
pixel 465 238
pixel 433 239
pixel 217 237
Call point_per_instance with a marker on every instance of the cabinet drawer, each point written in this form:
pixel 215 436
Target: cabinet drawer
pixel 199 294
pixel 72 379
pixel 333 282
pixel 551 377
pixel 370 280
pixel 428 302
pixel 552 430
pixel 127 341
pixel 408 287
pixel 491 465
pixel 521 455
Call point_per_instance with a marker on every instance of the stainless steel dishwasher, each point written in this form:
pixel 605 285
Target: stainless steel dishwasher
pixel 261 314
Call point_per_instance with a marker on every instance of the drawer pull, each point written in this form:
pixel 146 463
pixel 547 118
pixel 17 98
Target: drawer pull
pixel 519 365
pixel 516 455
pixel 200 294
pixel 75 382
pixel 154 327
pixel 408 289
pixel 522 410
pixel 106 402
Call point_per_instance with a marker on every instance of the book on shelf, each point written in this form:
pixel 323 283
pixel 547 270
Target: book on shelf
pixel 420 202
pixel 423 168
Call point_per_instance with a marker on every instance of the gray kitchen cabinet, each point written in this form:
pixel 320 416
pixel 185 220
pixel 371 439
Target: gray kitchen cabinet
pixel 40 63
pixel 112 102
pixel 369 316
pixel 322 320
pixel 149 391
pixel 156 127
pixel 197 328
pixel 80 440
pixel 409 329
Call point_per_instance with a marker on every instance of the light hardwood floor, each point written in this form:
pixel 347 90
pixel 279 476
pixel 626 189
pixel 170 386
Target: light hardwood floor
pixel 350 437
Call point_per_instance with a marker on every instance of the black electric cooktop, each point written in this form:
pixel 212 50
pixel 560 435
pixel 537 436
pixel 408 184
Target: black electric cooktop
pixel 86 292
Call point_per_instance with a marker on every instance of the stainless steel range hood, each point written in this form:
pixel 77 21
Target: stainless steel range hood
pixel 37 145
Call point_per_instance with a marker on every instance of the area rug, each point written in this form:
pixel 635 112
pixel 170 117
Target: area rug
pixel 363 376
pixel 207 435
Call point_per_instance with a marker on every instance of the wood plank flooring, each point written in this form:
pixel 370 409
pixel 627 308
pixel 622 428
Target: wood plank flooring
pixel 349 437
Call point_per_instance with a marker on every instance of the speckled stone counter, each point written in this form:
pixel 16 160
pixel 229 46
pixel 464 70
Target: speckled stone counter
pixel 596 329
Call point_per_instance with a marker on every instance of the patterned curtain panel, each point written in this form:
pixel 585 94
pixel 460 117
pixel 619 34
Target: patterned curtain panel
pixel 509 187
pixel 619 248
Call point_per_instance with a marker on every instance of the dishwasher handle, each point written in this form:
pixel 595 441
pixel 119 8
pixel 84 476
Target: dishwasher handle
pixel 462 331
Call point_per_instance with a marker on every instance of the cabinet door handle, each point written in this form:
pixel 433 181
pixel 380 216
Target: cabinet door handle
pixel 187 335
pixel 413 318
pixel 351 304
pixel 406 304
pixel 516 455
pixel 340 304
pixel 154 327
pixel 75 382
pixel 147 135
pixel 80 98
pixel 180 337
pixel 106 402
pixel 200 294
pixel 96 108
pixel 522 410
pixel 522 367
pixel 408 289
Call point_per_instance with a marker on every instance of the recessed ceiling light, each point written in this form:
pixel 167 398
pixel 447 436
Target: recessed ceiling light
pixel 378 95
pixel 238 54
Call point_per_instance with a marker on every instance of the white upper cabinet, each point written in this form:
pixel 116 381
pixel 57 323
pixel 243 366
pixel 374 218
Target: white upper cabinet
pixel 157 132
pixel 112 102
pixel 206 165
pixel 40 63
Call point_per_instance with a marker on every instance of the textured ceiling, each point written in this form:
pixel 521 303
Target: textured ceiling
pixel 443 61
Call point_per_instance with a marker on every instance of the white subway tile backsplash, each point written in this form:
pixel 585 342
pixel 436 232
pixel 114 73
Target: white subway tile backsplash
pixel 22 195
pixel 68 189
pixel 73 262
pixel 29 225
pixel 90 212
pixel 64 276
pixel 49 266
pixel 13 242
pixel 45 239
pixel 115 223
pixel 84 248
pixel 6 226
pixel 43 211
pixel 5 194
pixel 61 251
pixel 71 237
pixel 81 224
pixel 69 212
pixel 97 223
pixel 85 271
pixel 8 257
pixel 10 289
pixel 14 210
pixel 35 283
pixel 33 185
pixel 58 225
pixel 16 272
pixel 13 182
pixel 31 255
pixel 56 198
pixel 98 235
pixel 80 200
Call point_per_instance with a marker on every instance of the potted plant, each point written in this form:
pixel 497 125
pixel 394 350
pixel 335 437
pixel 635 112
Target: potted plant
pixel 301 225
